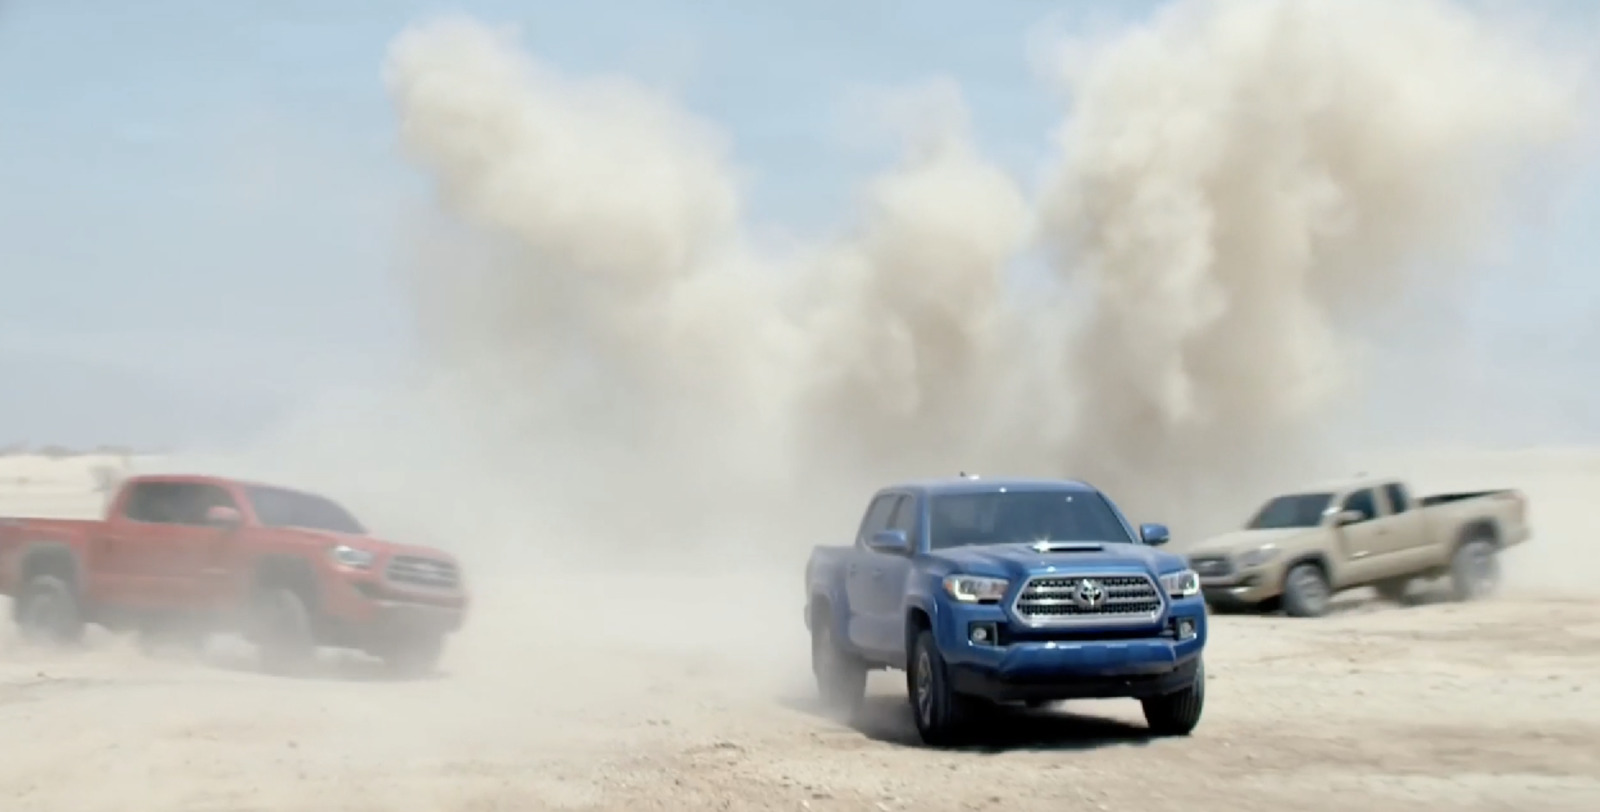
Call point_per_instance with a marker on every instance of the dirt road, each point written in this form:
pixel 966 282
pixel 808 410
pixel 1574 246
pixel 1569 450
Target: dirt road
pixel 1491 706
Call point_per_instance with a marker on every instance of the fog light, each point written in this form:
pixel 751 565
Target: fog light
pixel 982 634
pixel 1185 628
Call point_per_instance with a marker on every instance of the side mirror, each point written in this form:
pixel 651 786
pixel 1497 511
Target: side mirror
pixel 890 542
pixel 1345 517
pixel 224 517
pixel 1154 534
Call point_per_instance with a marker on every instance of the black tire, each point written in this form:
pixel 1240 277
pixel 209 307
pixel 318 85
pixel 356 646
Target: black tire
pixel 415 655
pixel 841 676
pixel 281 626
pixel 1393 589
pixel 48 612
pixel 1177 714
pixel 943 717
pixel 1475 570
pixel 1306 592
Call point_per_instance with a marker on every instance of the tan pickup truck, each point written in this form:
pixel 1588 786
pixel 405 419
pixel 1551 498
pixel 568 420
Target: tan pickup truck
pixel 1302 548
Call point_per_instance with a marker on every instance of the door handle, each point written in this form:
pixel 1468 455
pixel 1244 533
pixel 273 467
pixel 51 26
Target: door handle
pixel 850 570
pixel 877 575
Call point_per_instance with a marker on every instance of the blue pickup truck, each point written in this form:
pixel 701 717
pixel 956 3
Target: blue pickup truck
pixel 990 591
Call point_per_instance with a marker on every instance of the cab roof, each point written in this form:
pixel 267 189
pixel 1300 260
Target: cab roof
pixel 980 484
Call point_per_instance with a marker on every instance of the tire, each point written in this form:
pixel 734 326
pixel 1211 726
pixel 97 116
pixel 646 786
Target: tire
pixel 1393 589
pixel 1177 714
pixel 1475 570
pixel 48 612
pixel 415 655
pixel 282 630
pixel 841 676
pixel 1306 592
pixel 943 717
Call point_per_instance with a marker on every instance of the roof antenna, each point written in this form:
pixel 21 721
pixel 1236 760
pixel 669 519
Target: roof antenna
pixel 965 475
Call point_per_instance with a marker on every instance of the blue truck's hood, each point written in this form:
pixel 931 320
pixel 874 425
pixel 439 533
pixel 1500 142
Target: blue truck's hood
pixel 1017 560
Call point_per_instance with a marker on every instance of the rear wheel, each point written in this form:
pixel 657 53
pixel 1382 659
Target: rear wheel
pixel 1306 592
pixel 48 611
pixel 281 626
pixel 1177 714
pixel 1475 570
pixel 841 676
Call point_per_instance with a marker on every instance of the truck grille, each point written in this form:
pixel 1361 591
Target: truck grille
pixel 1056 599
pixel 424 572
pixel 1211 566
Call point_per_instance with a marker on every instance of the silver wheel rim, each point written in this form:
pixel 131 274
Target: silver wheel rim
pixel 1311 588
pixel 1481 565
pixel 924 687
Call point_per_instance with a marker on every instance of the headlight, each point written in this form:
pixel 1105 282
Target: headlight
pixel 345 555
pixel 1181 584
pixel 1258 556
pixel 975 588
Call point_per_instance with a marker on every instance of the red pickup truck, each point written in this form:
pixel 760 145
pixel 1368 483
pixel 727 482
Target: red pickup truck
pixel 187 556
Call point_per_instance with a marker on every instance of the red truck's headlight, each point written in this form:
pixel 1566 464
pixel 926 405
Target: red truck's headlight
pixel 346 556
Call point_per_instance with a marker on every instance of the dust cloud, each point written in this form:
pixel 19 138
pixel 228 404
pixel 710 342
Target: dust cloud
pixel 615 373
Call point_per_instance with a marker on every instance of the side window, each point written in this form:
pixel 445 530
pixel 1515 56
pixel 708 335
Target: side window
pixel 150 502
pixel 1362 502
pixel 202 498
pixel 905 516
pixel 174 502
pixel 877 518
pixel 1399 500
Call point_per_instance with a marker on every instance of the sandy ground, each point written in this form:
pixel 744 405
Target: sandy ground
pixel 693 692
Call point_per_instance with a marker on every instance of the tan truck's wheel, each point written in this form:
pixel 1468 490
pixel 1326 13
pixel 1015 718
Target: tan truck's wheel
pixel 1306 592
pixel 1475 570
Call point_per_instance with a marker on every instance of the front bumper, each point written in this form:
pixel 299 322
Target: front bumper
pixel 1246 587
pixel 1085 663
pixel 359 611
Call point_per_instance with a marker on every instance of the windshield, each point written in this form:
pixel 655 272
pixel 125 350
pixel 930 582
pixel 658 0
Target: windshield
pixel 1295 510
pixel 1022 516
pixel 276 507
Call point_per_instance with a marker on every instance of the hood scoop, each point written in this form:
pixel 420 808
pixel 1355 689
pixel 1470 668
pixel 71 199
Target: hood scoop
pixel 1067 547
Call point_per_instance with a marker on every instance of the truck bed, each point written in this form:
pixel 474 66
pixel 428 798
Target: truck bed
pixel 1457 496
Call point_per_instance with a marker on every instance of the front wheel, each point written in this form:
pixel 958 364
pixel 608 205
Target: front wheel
pixel 841 677
pixel 1177 713
pixel 943 716
pixel 48 612
pixel 1306 592
pixel 281 624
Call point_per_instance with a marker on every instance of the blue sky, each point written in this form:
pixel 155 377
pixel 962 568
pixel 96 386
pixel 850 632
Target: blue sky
pixel 201 206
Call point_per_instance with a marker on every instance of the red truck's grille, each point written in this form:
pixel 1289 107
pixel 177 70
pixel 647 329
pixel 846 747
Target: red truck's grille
pixel 424 572
pixel 1056 600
